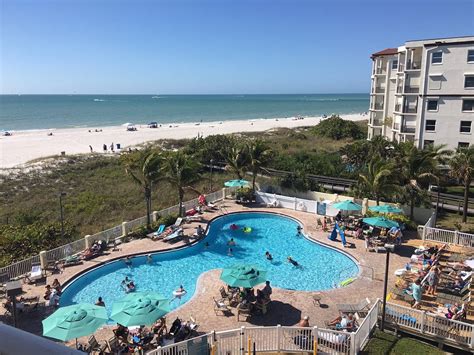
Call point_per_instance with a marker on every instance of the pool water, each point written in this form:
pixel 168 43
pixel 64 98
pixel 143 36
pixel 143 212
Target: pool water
pixel 321 267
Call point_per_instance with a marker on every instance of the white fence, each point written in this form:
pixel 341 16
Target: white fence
pixel 21 268
pixel 450 332
pixel 296 339
pixel 294 203
pixel 280 339
pixel 429 232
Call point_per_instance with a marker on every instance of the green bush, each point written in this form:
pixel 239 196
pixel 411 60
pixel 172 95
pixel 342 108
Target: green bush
pixel 336 128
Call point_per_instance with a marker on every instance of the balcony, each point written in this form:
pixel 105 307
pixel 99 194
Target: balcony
pixel 378 123
pixel 413 65
pixel 396 126
pixel 412 89
pixel 401 68
pixel 378 90
pixel 398 108
pixel 377 106
pixel 379 71
pixel 408 129
pixel 410 109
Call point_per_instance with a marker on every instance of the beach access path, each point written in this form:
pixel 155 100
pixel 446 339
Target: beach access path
pixel 24 146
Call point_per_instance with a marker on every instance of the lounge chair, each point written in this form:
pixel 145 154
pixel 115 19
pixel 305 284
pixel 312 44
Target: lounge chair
pixel 114 345
pixel 354 308
pixel 245 310
pixel 72 260
pixel 177 234
pixel 220 306
pixel 36 275
pixel 160 230
pixel 178 222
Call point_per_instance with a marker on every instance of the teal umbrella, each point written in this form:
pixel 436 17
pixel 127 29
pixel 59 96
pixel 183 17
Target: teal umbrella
pixel 381 222
pixel 74 321
pixel 243 276
pixel 236 183
pixel 385 209
pixel 140 308
pixel 347 206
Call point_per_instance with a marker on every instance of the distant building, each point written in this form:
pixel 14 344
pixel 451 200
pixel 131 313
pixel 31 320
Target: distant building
pixel 423 92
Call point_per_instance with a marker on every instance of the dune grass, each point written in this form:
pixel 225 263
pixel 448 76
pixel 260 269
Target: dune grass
pixel 388 344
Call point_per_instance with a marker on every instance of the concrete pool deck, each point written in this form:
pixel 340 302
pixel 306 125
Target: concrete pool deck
pixel 287 306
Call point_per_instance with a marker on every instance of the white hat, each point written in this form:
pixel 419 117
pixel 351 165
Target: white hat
pixel 305 317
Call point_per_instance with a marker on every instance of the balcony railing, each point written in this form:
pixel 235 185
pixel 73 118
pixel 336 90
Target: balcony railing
pixel 380 71
pixel 396 126
pixel 377 123
pixel 410 109
pixel 378 90
pixel 401 68
pixel 377 106
pixel 414 65
pixel 398 108
pixel 412 89
pixel 408 129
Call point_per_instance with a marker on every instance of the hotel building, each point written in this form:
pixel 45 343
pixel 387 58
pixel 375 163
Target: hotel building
pixel 423 92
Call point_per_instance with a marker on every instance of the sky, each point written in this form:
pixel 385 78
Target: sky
pixel 210 46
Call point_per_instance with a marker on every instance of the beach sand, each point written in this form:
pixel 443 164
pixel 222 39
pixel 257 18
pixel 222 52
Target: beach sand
pixel 24 146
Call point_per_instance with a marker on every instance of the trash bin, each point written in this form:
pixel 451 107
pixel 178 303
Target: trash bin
pixel 118 145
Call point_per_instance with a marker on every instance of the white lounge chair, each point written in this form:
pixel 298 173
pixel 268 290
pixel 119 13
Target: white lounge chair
pixel 220 306
pixel 178 222
pixel 178 233
pixel 36 274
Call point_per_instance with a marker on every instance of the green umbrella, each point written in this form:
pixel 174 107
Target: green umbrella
pixel 74 321
pixel 236 183
pixel 385 209
pixel 243 276
pixel 347 206
pixel 140 308
pixel 381 222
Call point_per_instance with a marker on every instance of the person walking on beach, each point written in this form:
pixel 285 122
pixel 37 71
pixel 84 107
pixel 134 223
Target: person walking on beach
pixel 112 147
pixel 105 148
pixel 90 147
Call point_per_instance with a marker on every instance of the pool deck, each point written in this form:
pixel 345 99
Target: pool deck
pixel 287 306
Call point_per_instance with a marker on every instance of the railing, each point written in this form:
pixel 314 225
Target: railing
pixel 22 267
pixel 412 89
pixel 447 236
pixel 408 129
pixel 451 332
pixel 378 106
pixel 413 65
pixel 378 90
pixel 279 339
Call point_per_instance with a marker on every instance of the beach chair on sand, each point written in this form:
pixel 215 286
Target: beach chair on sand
pixel 362 306
pixel 177 234
pixel 160 230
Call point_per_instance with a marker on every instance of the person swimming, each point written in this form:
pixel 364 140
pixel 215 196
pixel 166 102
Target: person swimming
pixel 149 259
pixel 268 256
pixel 231 242
pixel 130 287
pixel 229 252
pixel 293 262
pixel 206 245
pixel 128 261
pixel 299 229
pixel 234 226
pixel 180 292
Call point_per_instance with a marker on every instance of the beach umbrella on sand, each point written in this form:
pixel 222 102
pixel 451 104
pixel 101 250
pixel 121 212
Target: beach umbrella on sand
pixel 347 206
pixel 140 308
pixel 246 276
pixel 236 183
pixel 385 209
pixel 74 321
pixel 380 222
pixel 127 124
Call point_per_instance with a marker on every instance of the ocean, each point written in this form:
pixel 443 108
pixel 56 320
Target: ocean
pixel 23 112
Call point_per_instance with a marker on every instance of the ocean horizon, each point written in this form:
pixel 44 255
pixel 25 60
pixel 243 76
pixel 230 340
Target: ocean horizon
pixel 36 111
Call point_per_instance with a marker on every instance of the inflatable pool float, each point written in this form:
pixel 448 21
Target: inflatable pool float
pixel 179 293
pixel 234 227
pixel 246 229
pixel 347 282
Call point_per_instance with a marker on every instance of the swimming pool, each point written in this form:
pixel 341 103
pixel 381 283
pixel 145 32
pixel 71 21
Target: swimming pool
pixel 321 267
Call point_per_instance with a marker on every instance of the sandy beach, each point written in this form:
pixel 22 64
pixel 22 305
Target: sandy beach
pixel 24 146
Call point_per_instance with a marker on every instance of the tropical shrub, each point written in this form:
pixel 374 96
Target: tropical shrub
pixel 336 128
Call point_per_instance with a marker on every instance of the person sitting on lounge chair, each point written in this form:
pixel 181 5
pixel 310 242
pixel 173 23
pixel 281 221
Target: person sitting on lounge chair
pixel 57 286
pixel 344 322
pixel 159 327
pixel 121 332
pixel 53 299
pixel 47 293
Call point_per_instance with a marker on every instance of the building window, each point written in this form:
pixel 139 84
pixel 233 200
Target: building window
pixel 435 82
pixel 470 56
pixel 469 82
pixel 428 143
pixel 394 64
pixel 462 145
pixel 437 58
pixel 432 105
pixel 430 125
pixel 465 127
pixel 468 105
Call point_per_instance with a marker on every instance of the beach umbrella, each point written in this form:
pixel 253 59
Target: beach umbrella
pixel 385 209
pixel 127 124
pixel 347 206
pixel 140 308
pixel 236 183
pixel 381 222
pixel 74 321
pixel 246 276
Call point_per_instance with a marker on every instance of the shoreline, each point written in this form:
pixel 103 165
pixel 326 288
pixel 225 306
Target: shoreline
pixel 26 145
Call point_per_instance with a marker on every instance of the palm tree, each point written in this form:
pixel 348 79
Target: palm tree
pixel 180 170
pixel 259 154
pixel 144 169
pixel 417 167
pixel 236 157
pixel 377 180
pixel 462 168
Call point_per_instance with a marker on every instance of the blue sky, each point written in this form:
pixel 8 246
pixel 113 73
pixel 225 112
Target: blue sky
pixel 210 46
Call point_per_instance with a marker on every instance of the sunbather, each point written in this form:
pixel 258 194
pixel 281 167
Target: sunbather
pixel 344 322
